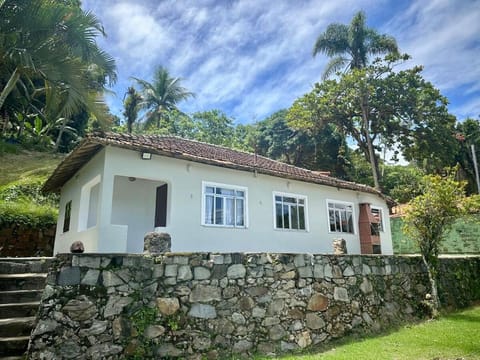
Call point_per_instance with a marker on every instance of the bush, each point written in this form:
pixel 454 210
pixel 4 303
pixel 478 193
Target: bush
pixel 23 203
pixel 27 214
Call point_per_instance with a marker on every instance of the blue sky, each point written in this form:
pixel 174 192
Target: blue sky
pixel 250 58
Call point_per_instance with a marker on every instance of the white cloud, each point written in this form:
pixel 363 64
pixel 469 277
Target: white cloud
pixel 250 58
pixel 442 35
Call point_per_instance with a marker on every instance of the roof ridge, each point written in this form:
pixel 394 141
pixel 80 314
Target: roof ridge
pixel 169 136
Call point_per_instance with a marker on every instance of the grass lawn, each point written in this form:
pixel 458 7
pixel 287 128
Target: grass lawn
pixel 453 336
pixel 26 164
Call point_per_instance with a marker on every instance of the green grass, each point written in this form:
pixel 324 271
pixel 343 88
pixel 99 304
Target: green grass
pixel 452 336
pixel 25 164
pixel 22 174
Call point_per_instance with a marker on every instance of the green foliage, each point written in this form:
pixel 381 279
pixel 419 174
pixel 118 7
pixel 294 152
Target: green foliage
pixel 402 183
pixel 28 214
pixel 349 46
pixel 161 96
pixel 468 134
pixel 51 71
pixel 376 106
pixel 142 318
pixel 21 200
pixel 23 203
pixel 428 218
pixel 8 148
pixel 431 214
pixel 316 149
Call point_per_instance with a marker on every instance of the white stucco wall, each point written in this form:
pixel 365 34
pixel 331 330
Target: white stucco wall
pixel 122 222
pixel 71 191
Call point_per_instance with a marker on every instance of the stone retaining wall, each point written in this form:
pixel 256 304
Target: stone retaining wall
pixel 17 240
pixel 198 306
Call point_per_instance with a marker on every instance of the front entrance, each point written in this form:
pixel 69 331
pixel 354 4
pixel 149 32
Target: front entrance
pixel 134 205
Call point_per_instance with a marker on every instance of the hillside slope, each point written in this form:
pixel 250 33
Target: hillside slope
pixel 26 164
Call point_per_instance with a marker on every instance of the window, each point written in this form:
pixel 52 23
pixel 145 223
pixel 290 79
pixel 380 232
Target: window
pixel 378 215
pixel 67 216
pixel 224 205
pixel 290 211
pixel 340 217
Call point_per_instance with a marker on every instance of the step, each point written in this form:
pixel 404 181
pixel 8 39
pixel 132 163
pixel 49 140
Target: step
pixel 14 327
pixel 19 309
pixel 16 296
pixel 25 265
pixel 26 281
pixel 10 346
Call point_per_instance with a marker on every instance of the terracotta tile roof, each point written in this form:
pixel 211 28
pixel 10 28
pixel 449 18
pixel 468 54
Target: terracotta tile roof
pixel 196 151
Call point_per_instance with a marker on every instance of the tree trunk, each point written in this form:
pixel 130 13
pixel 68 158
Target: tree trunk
pixel 371 152
pixel 60 133
pixel 433 286
pixel 9 87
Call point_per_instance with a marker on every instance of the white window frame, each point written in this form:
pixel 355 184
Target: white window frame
pixel 380 211
pixel 206 184
pixel 305 208
pixel 346 203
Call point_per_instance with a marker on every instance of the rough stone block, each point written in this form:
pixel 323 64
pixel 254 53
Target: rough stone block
pixel 168 306
pixel 157 243
pixel 69 276
pixel 202 311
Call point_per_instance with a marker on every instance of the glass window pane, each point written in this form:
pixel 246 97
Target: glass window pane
pixel 278 216
pixel 290 200
pixel 229 212
pixel 240 193
pixel 301 201
pixel 350 222
pixel 239 213
pixel 286 219
pixel 209 190
pixel 301 218
pixel 222 191
pixel 331 217
pixel 294 216
pixel 344 224
pixel 209 209
pixel 278 198
pixel 219 211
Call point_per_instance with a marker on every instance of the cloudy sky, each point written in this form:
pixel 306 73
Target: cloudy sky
pixel 250 58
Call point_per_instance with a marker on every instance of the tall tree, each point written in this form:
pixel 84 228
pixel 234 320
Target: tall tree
pixel 468 134
pixel 375 103
pixel 49 49
pixel 213 127
pixel 131 107
pixel 349 46
pixel 161 96
pixel 315 149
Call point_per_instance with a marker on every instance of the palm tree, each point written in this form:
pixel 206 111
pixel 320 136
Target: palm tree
pixel 349 46
pixel 131 104
pixel 52 45
pixel 161 96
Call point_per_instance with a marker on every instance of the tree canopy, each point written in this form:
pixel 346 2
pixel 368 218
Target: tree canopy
pixel 51 68
pixel 349 46
pixel 377 107
pixel 161 96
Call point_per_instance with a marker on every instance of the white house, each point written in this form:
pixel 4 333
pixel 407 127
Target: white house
pixel 117 187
